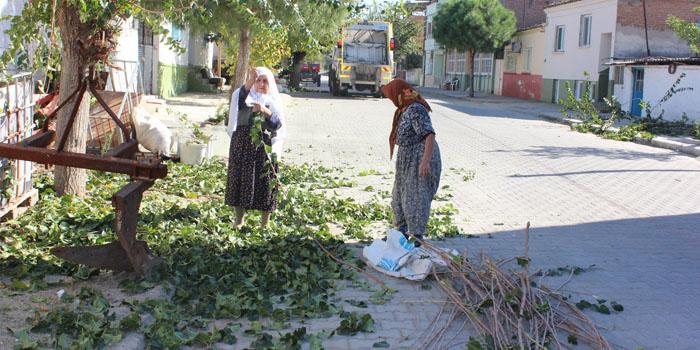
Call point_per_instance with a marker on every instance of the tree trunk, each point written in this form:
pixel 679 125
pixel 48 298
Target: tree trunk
pixel 471 72
pixel 295 74
pixel 243 58
pixel 73 65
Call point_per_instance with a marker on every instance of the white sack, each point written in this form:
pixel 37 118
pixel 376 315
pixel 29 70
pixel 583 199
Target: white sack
pixel 152 133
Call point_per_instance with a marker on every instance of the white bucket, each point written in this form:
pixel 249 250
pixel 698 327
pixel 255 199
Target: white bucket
pixel 193 154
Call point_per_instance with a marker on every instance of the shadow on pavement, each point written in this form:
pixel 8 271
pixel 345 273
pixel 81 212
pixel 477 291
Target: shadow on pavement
pixel 648 265
pixel 557 152
pixel 591 172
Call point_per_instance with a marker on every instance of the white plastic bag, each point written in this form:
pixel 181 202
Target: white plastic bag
pixel 152 133
pixel 397 257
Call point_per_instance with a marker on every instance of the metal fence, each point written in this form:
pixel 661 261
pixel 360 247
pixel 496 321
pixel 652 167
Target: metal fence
pixel 16 123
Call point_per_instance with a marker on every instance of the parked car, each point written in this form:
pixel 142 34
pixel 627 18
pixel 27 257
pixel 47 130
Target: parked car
pixel 311 72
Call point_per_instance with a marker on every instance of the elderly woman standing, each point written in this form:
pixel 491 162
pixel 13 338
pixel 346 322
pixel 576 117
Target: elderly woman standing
pixel 418 163
pixel 248 185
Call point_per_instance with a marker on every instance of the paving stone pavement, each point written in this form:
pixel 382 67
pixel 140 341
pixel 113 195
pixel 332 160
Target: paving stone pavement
pixel 630 210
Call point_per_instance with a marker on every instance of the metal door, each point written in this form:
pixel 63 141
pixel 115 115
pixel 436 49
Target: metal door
pixel 637 91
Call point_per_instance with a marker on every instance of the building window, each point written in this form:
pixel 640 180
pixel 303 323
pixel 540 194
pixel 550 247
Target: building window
pixel 584 35
pixel 619 75
pixel 559 39
pixel 175 32
pixel 511 62
pixel 429 29
pixel 483 64
pixel 456 61
pixel 528 60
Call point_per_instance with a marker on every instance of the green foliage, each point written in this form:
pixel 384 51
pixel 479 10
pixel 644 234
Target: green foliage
pixel 196 135
pixel 7 179
pixel 565 270
pixel 686 30
pixel 593 121
pixel 354 323
pixel 221 114
pixel 88 325
pixel 600 306
pixel 210 270
pixel 478 25
pixel 35 43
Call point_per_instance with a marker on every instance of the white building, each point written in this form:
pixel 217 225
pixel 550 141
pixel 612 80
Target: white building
pixel 651 80
pixel 578 43
pixel 434 55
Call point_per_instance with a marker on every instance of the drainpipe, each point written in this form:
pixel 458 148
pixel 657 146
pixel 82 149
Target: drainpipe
pixel 646 29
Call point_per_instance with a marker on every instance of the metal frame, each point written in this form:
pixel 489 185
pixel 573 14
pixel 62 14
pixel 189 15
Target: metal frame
pixel 127 253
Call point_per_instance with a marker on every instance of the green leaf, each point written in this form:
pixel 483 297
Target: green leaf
pixel 18 285
pixel 617 307
pixel 24 342
pixel 130 322
pixel 523 261
pixel 381 344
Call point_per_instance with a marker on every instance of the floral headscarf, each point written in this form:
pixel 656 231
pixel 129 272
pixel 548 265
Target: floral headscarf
pixel 402 95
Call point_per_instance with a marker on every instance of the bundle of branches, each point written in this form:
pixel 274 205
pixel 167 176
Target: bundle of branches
pixel 507 309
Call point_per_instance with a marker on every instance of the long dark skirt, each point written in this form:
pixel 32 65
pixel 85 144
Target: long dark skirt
pixel 248 184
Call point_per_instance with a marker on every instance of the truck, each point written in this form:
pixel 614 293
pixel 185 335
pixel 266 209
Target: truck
pixel 363 59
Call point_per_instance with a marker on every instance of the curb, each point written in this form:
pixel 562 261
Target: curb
pixel 688 147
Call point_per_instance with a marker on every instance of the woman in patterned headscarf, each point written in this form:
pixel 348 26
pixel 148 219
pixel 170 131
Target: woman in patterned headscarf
pixel 248 185
pixel 418 163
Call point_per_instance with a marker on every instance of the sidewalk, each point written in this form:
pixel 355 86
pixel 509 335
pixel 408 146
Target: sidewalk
pixel 550 112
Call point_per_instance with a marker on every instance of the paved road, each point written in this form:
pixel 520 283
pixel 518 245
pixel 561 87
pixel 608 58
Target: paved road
pixel 632 210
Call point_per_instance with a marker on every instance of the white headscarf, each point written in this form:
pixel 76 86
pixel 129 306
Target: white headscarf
pixel 272 100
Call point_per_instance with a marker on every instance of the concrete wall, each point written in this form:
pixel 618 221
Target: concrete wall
pixel 574 60
pixel 173 67
pixel 630 39
pixel 631 42
pixel 125 57
pixel 518 80
pixel 657 81
pixel 201 52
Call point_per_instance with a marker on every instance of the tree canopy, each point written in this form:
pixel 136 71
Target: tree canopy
pixel 686 30
pixel 474 26
pixel 479 25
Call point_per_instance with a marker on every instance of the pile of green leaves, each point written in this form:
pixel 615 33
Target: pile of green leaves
pixel 652 123
pixel 210 270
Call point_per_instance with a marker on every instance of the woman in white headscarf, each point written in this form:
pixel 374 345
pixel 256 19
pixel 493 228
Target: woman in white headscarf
pixel 248 185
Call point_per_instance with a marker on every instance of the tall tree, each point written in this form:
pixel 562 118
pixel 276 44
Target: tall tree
pixel 85 31
pixel 686 30
pixel 474 26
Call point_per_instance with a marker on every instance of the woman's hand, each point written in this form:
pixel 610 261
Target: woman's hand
pixel 252 75
pixel 424 168
pixel 257 107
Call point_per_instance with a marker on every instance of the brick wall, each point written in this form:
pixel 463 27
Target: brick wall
pixel 631 13
pixel 529 13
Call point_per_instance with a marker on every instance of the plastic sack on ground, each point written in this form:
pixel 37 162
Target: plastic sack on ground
pixel 152 133
pixel 397 257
